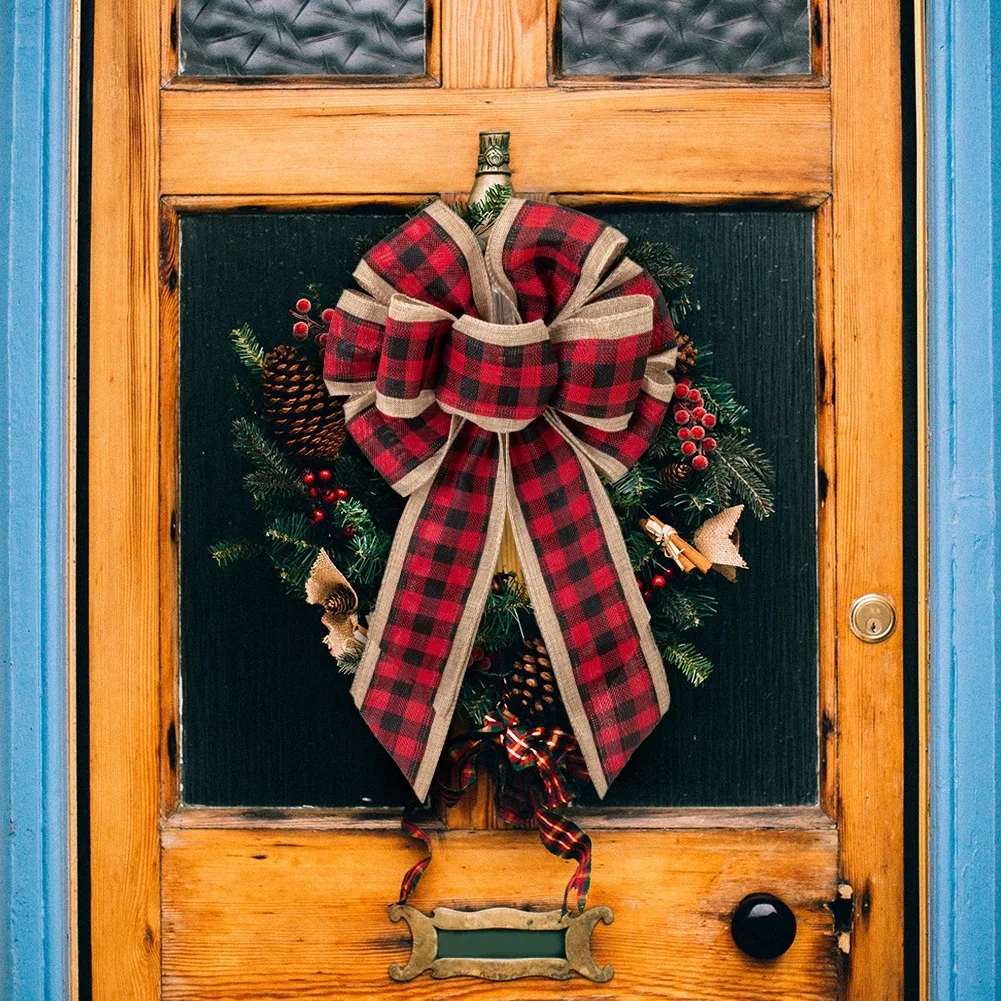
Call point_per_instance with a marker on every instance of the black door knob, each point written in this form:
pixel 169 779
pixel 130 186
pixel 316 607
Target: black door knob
pixel 763 926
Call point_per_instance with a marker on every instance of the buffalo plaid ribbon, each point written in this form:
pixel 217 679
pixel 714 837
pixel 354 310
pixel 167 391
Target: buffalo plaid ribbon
pixel 535 769
pixel 492 386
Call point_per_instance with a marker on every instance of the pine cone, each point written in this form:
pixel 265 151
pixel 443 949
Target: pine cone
pixel 688 355
pixel 529 689
pixel 304 417
pixel 674 474
pixel 340 601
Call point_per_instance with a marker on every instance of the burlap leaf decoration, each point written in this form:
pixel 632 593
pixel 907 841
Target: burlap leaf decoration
pixel 717 538
pixel 329 588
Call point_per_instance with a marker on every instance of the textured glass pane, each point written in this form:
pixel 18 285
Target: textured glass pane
pixel 678 37
pixel 314 37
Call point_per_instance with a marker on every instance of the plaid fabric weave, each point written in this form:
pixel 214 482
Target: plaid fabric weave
pixel 504 373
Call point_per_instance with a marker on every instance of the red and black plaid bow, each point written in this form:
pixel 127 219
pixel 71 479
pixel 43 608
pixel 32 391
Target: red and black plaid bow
pixel 493 385
pixel 534 766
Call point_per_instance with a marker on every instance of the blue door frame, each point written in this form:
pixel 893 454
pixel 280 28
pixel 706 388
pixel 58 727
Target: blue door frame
pixel 963 134
pixel 35 134
pixel 963 157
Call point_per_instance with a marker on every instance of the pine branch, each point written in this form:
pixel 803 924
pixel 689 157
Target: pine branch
pixel 635 488
pixel 483 213
pixel 693 664
pixel 721 399
pixel 505 614
pixel 686 606
pixel 290 549
pixel 750 471
pixel 230 551
pixel 480 694
pixel 661 261
pixel 348 661
pixel 274 475
pixel 248 348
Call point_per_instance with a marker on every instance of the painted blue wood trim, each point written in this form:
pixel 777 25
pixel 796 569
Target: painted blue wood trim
pixel 34 227
pixel 963 92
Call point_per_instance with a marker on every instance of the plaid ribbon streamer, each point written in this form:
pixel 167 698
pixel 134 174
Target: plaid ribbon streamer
pixel 479 422
pixel 535 768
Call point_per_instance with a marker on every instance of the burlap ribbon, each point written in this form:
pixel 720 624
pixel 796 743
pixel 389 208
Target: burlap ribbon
pixel 498 385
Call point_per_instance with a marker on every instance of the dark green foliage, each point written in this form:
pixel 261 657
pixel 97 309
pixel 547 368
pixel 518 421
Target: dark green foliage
pixel 508 612
pixel 695 666
pixel 291 550
pixel 480 215
pixel 248 348
pixel 231 551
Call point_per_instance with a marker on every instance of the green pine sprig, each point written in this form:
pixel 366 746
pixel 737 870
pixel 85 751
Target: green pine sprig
pixel 248 349
pixel 690 661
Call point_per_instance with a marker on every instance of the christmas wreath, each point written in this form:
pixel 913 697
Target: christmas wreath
pixel 532 379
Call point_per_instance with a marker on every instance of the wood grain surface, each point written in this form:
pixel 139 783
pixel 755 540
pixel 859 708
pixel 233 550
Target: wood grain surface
pixel 696 140
pixel 502 44
pixel 123 527
pixel 280 916
pixel 866 216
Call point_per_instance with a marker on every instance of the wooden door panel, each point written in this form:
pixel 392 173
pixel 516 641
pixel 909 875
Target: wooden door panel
pixel 277 915
pixel 771 141
pixel 239 904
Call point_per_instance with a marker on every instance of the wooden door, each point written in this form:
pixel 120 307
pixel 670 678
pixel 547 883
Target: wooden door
pixel 222 145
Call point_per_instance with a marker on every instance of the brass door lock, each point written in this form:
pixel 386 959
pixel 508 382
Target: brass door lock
pixel 873 617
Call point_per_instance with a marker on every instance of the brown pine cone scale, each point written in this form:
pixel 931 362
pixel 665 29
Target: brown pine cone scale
pixel 303 415
pixel 688 355
pixel 530 687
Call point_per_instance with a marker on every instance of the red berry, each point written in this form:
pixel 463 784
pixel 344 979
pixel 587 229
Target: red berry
pixel 328 496
pixel 317 516
pixel 349 532
pixel 709 421
pixel 682 416
pixel 639 583
pixel 698 413
pixel 709 444
pixel 341 493
pixel 669 572
pixel 659 581
pixel 313 492
pixel 695 397
pixel 698 432
pixel 299 330
pixel 303 305
pixel 699 463
pixel 680 391
pixel 647 594
pixel 308 477
pixel 321 340
pixel 688 448
pixel 687 383
pixel 684 433
pixel 327 315
pixel 325 475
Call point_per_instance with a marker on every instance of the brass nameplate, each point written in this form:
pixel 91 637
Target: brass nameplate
pixel 577 943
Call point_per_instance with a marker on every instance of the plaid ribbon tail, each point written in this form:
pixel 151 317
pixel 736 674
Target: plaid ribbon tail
pixel 563 838
pixel 413 875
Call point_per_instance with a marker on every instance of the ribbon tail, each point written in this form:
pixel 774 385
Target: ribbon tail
pixel 589 610
pixel 432 597
pixel 563 838
pixel 413 875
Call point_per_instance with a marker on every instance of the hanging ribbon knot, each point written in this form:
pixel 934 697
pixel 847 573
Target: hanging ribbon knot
pixel 522 752
pixel 478 421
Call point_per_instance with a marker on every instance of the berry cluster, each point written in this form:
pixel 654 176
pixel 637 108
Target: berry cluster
pixel 305 326
pixel 658 580
pixel 695 422
pixel 319 489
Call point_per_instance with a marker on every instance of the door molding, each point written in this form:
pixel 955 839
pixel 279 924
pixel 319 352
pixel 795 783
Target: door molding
pixel 962 54
pixel 38 112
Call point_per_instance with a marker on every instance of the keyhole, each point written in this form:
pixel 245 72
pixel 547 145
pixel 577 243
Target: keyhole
pixel 874 626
